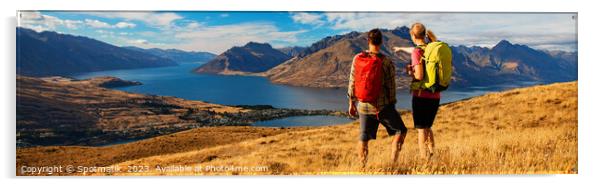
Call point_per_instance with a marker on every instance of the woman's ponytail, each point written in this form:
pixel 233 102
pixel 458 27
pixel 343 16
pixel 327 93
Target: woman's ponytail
pixel 431 36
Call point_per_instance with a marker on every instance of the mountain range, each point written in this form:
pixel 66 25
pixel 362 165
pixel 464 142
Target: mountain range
pixel 326 63
pixel 506 62
pixel 176 54
pixel 50 53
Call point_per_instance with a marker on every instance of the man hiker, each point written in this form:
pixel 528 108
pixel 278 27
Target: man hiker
pixel 371 95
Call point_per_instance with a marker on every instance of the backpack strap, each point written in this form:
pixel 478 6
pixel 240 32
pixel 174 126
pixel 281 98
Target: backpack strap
pixel 382 59
pixel 364 53
pixel 423 48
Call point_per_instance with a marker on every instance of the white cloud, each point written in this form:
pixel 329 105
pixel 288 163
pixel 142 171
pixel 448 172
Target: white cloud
pixel 100 24
pixel 97 24
pixel 156 19
pixel 148 34
pixel 542 31
pixel 40 22
pixel 138 42
pixel 193 25
pixel 72 24
pixel 364 21
pixel 217 39
pixel 125 25
pixel 307 18
pixel 105 33
pixel 141 43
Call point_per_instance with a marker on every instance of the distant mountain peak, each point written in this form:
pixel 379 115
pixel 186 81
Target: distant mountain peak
pixel 257 44
pixel 253 57
pixel 401 31
pixel 503 43
pixel 402 28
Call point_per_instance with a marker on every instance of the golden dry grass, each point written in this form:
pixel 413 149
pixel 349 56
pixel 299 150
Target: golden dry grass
pixel 189 140
pixel 521 131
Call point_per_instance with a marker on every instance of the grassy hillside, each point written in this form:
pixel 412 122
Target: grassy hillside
pixel 521 131
pixel 194 139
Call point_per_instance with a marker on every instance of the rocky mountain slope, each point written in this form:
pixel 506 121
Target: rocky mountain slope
pixel 292 51
pixel 251 58
pixel 327 62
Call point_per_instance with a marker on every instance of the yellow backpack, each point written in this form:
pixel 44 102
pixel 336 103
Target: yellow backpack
pixel 437 68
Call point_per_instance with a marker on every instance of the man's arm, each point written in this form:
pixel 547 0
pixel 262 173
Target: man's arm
pixel 351 90
pixel 351 86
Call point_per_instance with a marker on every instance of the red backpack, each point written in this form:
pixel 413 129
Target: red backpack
pixel 368 77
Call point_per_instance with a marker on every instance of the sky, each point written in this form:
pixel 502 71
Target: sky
pixel 216 32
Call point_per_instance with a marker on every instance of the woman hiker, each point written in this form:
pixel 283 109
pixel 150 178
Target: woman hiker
pixel 425 104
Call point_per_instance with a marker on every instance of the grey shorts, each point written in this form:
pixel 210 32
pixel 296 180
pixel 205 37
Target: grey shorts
pixel 388 117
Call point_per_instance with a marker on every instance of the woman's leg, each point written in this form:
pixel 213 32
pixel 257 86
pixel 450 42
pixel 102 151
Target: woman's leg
pixel 430 142
pixel 430 139
pixel 424 112
pixel 422 136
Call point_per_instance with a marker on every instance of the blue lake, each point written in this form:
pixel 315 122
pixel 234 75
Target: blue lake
pixel 180 81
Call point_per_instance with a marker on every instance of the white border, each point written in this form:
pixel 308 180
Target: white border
pixel 589 91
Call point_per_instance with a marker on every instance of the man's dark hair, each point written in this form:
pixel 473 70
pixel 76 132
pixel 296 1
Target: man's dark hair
pixel 375 37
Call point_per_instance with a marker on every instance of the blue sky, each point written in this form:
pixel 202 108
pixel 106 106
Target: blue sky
pixel 217 31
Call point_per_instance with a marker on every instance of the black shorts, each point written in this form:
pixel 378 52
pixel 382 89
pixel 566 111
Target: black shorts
pixel 390 119
pixel 424 111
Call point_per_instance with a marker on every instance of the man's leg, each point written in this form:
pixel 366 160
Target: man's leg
pixel 394 125
pixel 396 144
pixel 363 152
pixel 368 129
